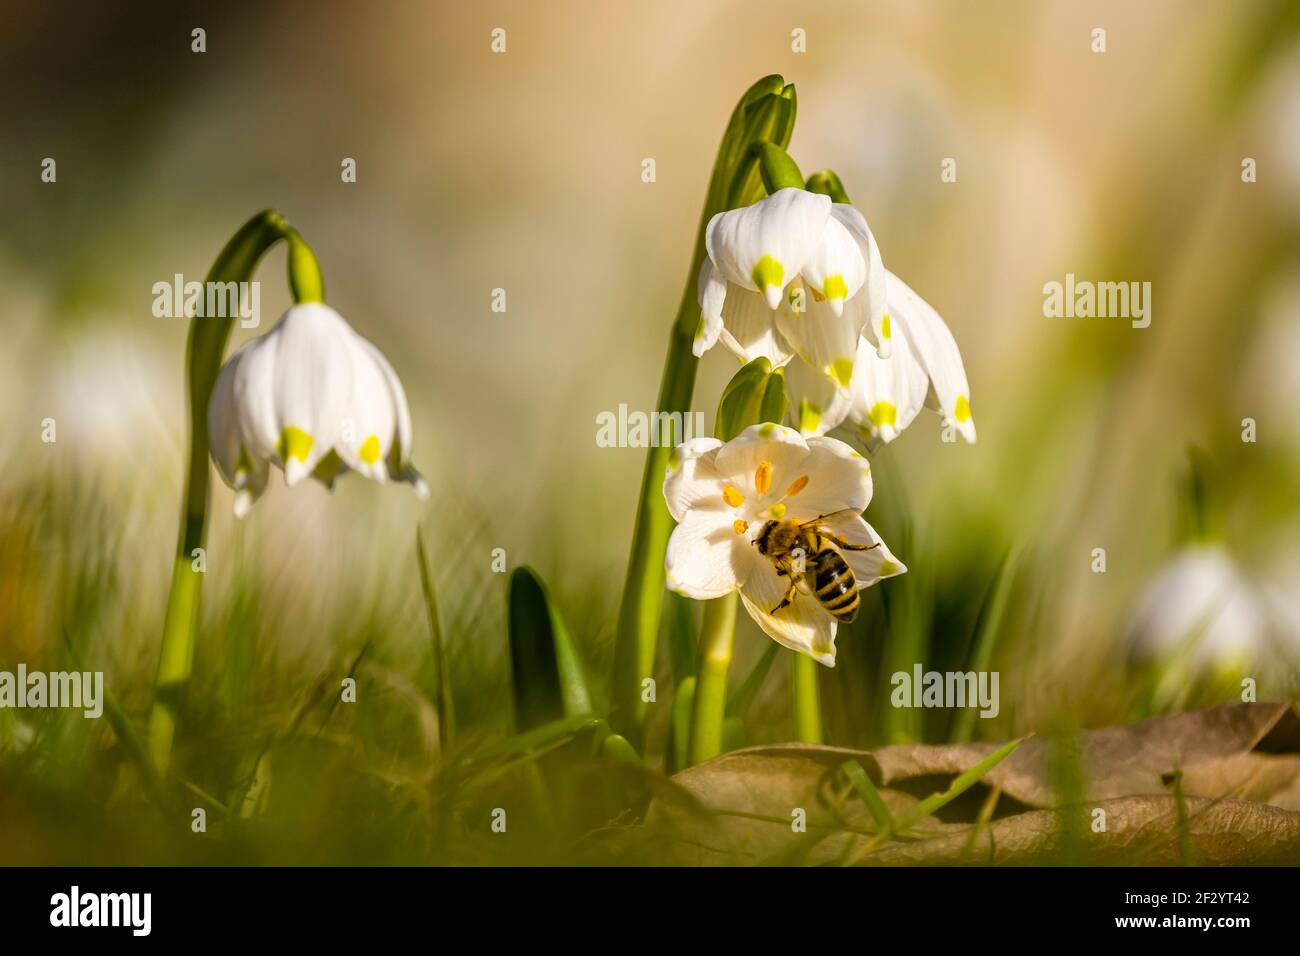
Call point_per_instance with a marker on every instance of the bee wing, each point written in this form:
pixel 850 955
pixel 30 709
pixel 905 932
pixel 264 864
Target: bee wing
pixel 833 514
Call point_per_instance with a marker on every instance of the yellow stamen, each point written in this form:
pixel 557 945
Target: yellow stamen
pixel 732 496
pixel 740 526
pixel 799 484
pixel 777 511
pixel 763 477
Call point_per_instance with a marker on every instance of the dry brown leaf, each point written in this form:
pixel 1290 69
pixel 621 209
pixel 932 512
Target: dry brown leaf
pixel 1140 830
pixel 1242 756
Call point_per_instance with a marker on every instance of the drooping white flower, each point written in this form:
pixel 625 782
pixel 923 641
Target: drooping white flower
pixel 884 395
pixel 793 273
pixel 312 397
pixel 723 496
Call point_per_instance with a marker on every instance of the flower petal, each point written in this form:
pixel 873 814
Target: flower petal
pixel 303 369
pixel 749 328
pixel 707 557
pixel 868 566
pixel 223 422
pixel 691 480
pixel 764 246
pixel 937 352
pixel 399 456
pixel 803 625
pixel 761 463
pixel 876 288
pixel 839 479
pixel 712 293
pixel 836 270
pixel 817 403
pixel 251 485
pixel 889 393
pixel 368 430
pixel 826 341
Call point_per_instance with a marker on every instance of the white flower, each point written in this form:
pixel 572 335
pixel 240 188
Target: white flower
pixel 793 273
pixel 885 395
pixel 314 398
pixel 723 496
pixel 1199 608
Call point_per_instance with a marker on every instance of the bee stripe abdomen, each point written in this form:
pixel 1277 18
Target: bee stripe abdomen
pixel 836 588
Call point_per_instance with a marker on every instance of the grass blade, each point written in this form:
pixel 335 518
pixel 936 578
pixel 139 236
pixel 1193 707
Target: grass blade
pixel 990 628
pixel 964 782
pixel 869 794
pixel 443 702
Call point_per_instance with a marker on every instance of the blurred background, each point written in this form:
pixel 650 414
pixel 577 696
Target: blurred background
pixel 522 171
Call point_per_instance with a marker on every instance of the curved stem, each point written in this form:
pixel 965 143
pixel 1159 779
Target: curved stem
pixel 203 354
pixel 765 112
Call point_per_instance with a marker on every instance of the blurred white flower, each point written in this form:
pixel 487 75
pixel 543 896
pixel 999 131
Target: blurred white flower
pixel 314 398
pixel 1200 609
pixel 885 395
pixel 793 273
pixel 778 517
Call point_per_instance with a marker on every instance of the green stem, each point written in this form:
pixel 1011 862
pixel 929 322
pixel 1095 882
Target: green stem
pixel 710 704
pixel 766 112
pixel 204 350
pixel 807 699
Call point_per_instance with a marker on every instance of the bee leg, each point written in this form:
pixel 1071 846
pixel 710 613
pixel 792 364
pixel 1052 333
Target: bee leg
pixel 843 545
pixel 788 599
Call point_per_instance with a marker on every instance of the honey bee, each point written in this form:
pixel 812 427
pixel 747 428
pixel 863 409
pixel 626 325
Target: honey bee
pixel 803 549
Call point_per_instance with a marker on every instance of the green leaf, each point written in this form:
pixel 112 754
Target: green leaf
pixel 766 114
pixel 549 681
